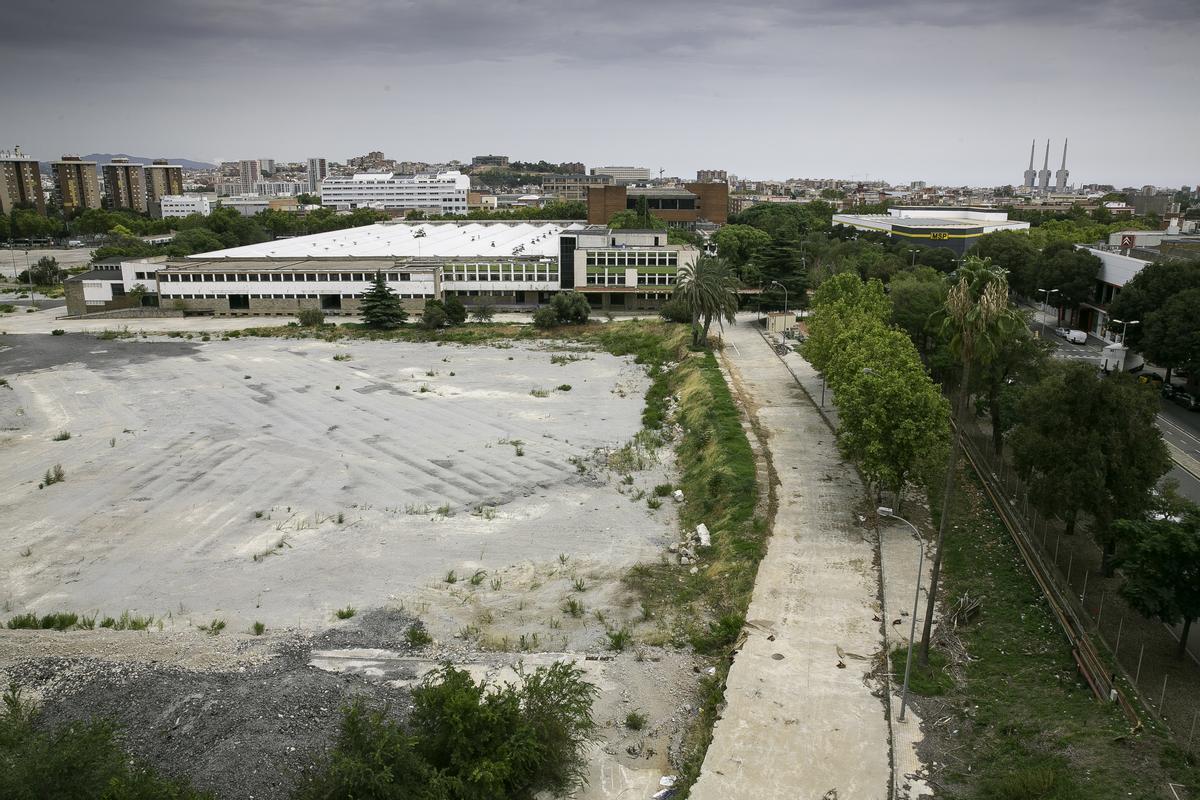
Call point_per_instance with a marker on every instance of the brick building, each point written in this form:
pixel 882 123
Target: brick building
pixel 678 207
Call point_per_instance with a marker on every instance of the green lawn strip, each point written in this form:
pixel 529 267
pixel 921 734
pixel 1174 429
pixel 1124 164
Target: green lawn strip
pixel 1027 724
pixel 718 479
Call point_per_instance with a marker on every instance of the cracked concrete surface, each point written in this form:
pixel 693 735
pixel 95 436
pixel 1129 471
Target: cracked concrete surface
pixel 803 719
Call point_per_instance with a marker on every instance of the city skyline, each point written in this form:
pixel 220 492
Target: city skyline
pixel 826 90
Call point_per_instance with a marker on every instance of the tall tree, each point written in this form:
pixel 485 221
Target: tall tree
pixel 1018 357
pixel 1072 271
pixel 380 307
pixel 1149 290
pixel 836 303
pixel 976 312
pixel 708 289
pixel 917 296
pixel 892 419
pixel 783 262
pixel 1088 444
pixel 1171 334
pixel 1014 252
pixel 738 245
pixel 1162 569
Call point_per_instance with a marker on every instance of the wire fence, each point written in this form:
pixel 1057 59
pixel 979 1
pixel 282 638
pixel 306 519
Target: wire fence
pixel 1144 650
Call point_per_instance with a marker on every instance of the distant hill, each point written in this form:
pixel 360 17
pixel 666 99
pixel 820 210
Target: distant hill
pixel 104 158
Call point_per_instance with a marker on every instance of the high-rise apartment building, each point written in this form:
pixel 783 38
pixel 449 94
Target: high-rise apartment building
pixel 125 185
pixel 624 175
pixel 20 182
pixel 76 183
pixel 711 176
pixel 162 180
pixel 249 171
pixel 318 170
pixel 266 166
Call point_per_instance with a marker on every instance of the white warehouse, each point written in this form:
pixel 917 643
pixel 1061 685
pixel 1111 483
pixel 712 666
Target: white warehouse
pixel 444 193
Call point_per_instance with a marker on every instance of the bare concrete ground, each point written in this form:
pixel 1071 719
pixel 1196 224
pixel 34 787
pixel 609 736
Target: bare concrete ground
pixel 262 480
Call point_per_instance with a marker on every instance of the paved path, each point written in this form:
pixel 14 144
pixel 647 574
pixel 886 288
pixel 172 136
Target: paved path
pixel 797 724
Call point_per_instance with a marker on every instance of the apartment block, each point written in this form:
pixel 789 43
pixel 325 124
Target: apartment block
pixel 318 170
pixel 76 183
pixel 162 180
pixel 443 193
pixel 573 187
pixel 125 185
pixel 20 182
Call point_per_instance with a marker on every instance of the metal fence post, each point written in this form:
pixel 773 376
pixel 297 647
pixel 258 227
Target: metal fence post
pixel 1101 611
pixel 1162 698
pixel 1070 565
pixel 1057 542
pixel 1192 732
pixel 1138 674
pixel 1120 628
pixel 1083 594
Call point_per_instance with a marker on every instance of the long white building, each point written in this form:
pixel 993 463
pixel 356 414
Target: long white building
pixel 504 264
pixel 443 193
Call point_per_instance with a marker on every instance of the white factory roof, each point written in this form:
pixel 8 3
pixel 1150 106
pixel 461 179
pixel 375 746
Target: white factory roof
pixel 413 240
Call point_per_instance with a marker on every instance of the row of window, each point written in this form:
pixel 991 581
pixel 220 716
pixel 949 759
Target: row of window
pixel 505 275
pixel 220 277
pixel 611 277
pixel 632 258
pixel 218 296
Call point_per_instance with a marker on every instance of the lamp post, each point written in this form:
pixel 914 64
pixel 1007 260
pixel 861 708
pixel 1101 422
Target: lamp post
pixel 914 252
pixel 781 286
pixel 884 511
pixel 1046 302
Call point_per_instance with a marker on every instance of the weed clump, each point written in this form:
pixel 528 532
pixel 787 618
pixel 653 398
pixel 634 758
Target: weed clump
pixel 346 613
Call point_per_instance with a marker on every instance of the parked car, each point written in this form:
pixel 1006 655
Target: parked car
pixel 1152 378
pixel 1182 398
pixel 1072 336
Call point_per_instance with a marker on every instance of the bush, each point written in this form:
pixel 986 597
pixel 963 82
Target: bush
pixel 80 760
pixel 483 313
pixel 675 311
pixel 545 317
pixel 57 332
pixel 571 308
pixel 435 315
pixel 456 312
pixel 311 317
pixel 468 740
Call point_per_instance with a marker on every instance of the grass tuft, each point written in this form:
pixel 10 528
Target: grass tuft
pixel 345 613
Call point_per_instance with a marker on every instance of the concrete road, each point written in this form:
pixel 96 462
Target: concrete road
pixel 801 719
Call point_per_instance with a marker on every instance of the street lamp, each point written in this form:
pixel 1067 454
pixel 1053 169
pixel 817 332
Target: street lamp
pixel 884 511
pixel 914 252
pixel 781 286
pixel 1125 324
pixel 1046 302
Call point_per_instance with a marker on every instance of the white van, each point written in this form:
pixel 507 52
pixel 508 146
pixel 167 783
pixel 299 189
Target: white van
pixel 1072 336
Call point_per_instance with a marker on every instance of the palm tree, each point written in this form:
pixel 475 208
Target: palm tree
pixel 974 320
pixel 709 290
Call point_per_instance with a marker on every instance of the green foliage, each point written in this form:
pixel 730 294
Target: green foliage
pixel 931 680
pixel 781 262
pixel 1089 444
pixel 1014 252
pixel 380 307
pixel 1148 294
pixel 456 312
pixel 54 475
pixel 311 317
pixel 1072 271
pixel 917 296
pixel 483 312
pixel 571 308
pixel 345 613
pixel 837 302
pixel 739 244
pixel 81 760
pixel 708 289
pixel 635 720
pixel 45 272
pixel 1161 572
pixel 434 316
pixel 545 317
pixel 416 635
pixel 675 310
pixel 468 741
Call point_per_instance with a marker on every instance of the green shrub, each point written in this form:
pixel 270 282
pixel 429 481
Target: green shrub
pixel 62 436
pixel 417 636
pixel 435 315
pixel 456 312
pixel 81 760
pixel 483 313
pixel 346 613
pixel 545 317
pixel 619 639
pixel 635 720
pixel 57 332
pixel 571 308
pixel 311 317
pixel 663 489
pixel 675 311
pixel 467 740
pixel 258 629
pixel 564 387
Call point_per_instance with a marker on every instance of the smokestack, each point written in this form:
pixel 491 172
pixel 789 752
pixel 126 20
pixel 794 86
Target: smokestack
pixel 1046 163
pixel 1060 177
pixel 1043 176
pixel 1032 147
pixel 1064 164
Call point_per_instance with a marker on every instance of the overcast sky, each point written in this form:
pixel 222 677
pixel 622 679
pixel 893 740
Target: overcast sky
pixel 922 90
